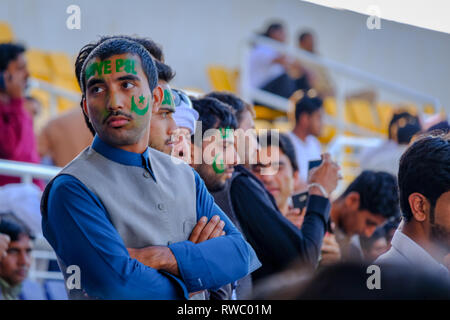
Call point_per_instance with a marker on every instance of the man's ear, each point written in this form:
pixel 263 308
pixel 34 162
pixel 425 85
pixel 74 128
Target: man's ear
pixel 295 175
pixel 85 107
pixel 420 206
pixel 158 95
pixel 352 201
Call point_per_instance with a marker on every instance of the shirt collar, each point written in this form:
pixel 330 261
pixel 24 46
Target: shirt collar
pixel 415 254
pixel 118 155
pixel 10 292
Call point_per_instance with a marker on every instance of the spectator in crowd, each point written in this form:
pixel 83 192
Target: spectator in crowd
pixel 402 128
pixel 185 117
pixel 280 184
pixel 250 204
pixel 110 199
pixel 368 202
pixel 308 126
pixel 317 75
pixel 162 124
pixel 274 72
pixel 14 265
pixel 422 240
pixel 16 124
pixel 218 122
pixel 375 245
pixel 63 138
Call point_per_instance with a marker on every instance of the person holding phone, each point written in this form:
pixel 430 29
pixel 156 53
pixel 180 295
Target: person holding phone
pixel 16 125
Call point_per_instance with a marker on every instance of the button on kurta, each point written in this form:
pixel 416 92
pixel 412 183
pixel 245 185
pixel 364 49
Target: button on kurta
pixel 161 206
pixel 146 174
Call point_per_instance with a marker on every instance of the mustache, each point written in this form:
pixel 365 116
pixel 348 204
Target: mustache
pixel 117 113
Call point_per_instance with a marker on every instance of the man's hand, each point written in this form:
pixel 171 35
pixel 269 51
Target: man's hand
pixel 4 243
pixel 327 175
pixel 296 217
pixel 156 257
pixel 205 231
pixel 330 251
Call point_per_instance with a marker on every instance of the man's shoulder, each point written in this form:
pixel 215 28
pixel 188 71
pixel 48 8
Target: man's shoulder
pixel 391 257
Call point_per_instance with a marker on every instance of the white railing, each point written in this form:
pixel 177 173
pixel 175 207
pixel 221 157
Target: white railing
pixel 251 94
pixel 27 171
pixel 54 93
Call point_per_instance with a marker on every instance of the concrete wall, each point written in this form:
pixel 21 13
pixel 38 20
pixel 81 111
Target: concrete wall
pixel 196 33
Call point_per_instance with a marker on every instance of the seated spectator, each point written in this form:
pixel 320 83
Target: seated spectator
pixel 16 124
pixel 308 126
pixel 375 245
pixel 15 264
pixel 402 128
pixel 368 202
pixel 423 239
pixel 274 72
pixel 63 138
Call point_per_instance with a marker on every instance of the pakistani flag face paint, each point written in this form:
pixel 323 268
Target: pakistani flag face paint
pixel 118 99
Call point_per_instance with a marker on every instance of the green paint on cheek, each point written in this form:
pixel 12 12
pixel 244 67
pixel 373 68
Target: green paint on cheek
pixel 216 168
pixel 139 110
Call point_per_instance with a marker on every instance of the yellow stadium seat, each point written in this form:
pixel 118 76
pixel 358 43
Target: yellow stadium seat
pixel 262 124
pixel 222 79
pixel 360 113
pixel 6 33
pixel 330 107
pixel 385 112
pixel 268 113
pixel 283 126
pixel 61 65
pixel 38 64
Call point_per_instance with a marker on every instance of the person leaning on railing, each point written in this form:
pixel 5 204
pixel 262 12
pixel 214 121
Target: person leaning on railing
pixel 16 125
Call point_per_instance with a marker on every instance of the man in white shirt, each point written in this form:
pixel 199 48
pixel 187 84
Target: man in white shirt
pixel 422 241
pixel 308 126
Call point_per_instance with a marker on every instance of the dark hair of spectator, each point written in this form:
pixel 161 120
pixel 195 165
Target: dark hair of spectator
pixel 403 126
pixel 9 52
pixel 307 105
pixel 425 168
pixel 378 193
pixel 282 141
pixel 271 28
pixel 213 114
pixel 14 230
pixel 239 105
pixel 303 35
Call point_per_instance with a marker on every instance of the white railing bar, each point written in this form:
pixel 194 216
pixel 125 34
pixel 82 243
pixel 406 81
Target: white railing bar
pixel 27 170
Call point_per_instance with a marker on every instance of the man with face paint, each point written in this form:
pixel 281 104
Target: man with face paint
pixel 422 241
pixel 277 242
pixel 124 224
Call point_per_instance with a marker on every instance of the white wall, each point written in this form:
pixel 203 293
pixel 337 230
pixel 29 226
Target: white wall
pixel 196 33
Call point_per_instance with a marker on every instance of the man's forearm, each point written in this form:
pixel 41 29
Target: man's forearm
pixel 156 257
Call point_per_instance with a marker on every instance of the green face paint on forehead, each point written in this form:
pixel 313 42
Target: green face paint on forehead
pixel 168 102
pixel 221 169
pixel 105 67
pixel 139 108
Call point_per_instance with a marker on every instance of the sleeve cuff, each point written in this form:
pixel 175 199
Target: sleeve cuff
pixel 186 251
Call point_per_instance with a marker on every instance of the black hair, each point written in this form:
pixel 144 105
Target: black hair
pixel 442 126
pixel 403 126
pixel 152 47
pixel 272 27
pixel 307 105
pixel 283 142
pixel 425 168
pixel 213 114
pixel 303 35
pixel 9 52
pixel 165 72
pixel 14 229
pixel 378 193
pixel 232 100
